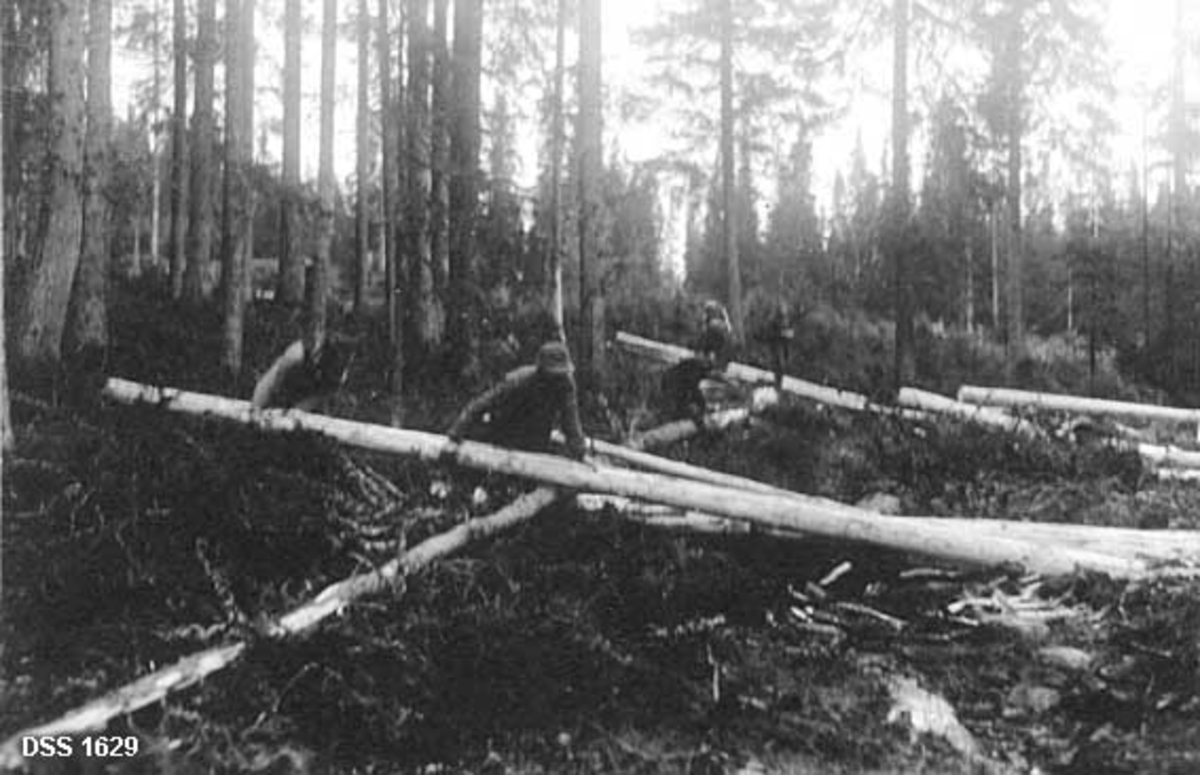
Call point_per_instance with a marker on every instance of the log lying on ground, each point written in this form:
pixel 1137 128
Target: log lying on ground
pixel 670 353
pixel 1153 546
pixel 990 396
pixel 934 402
pixel 771 510
pixel 189 670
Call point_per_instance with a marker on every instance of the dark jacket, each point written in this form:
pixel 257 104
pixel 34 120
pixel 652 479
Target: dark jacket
pixel 520 412
pixel 681 391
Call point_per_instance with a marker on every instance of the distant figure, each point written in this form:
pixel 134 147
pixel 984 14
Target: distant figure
pixel 715 333
pixel 778 334
pixel 300 379
pixel 520 412
pixel 682 397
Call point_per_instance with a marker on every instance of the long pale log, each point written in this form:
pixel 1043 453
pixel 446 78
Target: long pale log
pixel 990 396
pixel 808 515
pixel 1128 543
pixel 189 670
pixel 934 402
pixel 670 353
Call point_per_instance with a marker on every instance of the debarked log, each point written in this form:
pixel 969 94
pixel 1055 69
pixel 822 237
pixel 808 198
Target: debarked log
pixel 768 509
pixel 994 396
pixel 670 353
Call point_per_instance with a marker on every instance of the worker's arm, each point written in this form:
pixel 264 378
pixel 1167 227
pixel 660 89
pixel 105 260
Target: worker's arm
pixel 485 401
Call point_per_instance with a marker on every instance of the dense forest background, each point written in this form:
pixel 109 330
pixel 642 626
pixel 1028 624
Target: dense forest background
pixel 1003 240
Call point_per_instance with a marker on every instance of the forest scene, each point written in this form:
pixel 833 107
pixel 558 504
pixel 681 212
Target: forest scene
pixel 684 386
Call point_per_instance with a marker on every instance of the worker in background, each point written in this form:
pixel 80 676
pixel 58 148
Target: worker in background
pixel 303 377
pixel 683 398
pixel 716 333
pixel 777 334
pixel 521 411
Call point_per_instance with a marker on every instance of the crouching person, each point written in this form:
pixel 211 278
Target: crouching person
pixel 303 377
pixel 683 399
pixel 521 411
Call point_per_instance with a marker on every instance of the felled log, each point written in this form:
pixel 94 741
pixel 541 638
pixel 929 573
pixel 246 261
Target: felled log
pixel 1154 546
pixel 670 353
pixel 934 402
pixel 992 396
pixel 770 510
pixel 189 670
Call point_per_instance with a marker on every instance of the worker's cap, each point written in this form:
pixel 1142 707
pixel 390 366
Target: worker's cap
pixel 553 358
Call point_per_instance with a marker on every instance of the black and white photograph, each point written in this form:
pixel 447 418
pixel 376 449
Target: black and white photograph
pixel 513 387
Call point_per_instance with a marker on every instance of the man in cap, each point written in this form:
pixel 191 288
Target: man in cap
pixel 520 412
pixel 715 333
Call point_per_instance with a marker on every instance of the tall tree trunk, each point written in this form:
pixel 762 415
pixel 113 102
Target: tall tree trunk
pixel 898 246
pixel 554 290
pixel 389 146
pixel 424 317
pixel 237 215
pixel 291 262
pixel 179 147
pixel 42 309
pixel 362 158
pixel 88 320
pixel 590 135
pixel 464 185
pixel 325 185
pixel 1177 213
pixel 155 145
pixel 439 206
pixel 200 199
pixel 733 272
pixel 1015 344
pixel 6 435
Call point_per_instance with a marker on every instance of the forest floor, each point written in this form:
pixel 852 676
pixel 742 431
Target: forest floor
pixel 580 642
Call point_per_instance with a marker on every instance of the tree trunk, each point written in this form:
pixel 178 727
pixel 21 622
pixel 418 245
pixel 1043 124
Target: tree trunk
pixel 1015 344
pixel 899 208
pixel 389 147
pixel 291 261
pixel 42 311
pixel 200 201
pixel 6 436
pixel 439 206
pixel 237 215
pixel 155 145
pixel 733 272
pixel 362 159
pixel 179 148
pixel 554 290
pixel 464 184
pixel 88 321
pixel 424 316
pixel 319 291
pixel 590 149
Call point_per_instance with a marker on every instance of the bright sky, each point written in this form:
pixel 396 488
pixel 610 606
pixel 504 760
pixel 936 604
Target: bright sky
pixel 1140 31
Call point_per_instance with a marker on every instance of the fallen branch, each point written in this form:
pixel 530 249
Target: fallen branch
pixel 189 670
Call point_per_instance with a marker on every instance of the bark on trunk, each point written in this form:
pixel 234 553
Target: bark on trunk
pixel 200 199
pixel 88 322
pixel 291 261
pixel 42 312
